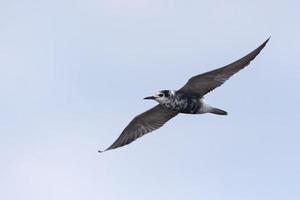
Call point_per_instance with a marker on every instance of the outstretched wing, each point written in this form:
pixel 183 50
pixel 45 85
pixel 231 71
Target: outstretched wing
pixel 202 84
pixel 142 124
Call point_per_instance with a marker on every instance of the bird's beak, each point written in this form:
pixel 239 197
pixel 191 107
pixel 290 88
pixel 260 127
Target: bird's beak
pixel 151 97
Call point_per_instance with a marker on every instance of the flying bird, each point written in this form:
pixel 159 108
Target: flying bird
pixel 188 100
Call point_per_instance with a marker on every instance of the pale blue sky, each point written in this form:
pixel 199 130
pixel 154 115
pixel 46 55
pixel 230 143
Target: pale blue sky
pixel 73 74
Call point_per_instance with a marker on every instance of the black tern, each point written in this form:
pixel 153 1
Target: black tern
pixel 188 99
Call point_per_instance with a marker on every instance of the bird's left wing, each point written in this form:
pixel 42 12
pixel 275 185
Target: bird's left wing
pixel 142 124
pixel 203 83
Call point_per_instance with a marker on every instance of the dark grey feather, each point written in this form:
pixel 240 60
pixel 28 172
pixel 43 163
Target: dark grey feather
pixel 142 124
pixel 202 84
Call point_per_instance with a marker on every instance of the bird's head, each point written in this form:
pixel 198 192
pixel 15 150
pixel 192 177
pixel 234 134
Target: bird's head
pixel 162 96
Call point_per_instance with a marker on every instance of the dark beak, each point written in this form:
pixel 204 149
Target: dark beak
pixel 151 97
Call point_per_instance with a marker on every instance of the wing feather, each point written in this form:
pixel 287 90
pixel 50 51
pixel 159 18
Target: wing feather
pixel 203 83
pixel 142 124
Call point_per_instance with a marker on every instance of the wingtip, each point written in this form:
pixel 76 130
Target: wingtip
pixel 264 44
pixel 101 151
pixel 267 40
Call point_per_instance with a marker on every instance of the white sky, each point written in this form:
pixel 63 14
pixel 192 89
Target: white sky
pixel 73 74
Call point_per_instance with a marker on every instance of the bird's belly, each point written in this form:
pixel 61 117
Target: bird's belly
pixel 192 106
pixel 185 105
pixel 191 109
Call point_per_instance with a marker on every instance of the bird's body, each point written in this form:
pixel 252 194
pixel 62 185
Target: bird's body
pixel 179 102
pixel 188 100
pixel 185 103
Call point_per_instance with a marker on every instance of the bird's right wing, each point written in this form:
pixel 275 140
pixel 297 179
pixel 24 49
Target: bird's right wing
pixel 203 83
pixel 142 124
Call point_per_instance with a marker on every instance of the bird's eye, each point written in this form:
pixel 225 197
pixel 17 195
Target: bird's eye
pixel 160 95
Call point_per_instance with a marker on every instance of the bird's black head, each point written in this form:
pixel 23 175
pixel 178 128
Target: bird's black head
pixel 162 96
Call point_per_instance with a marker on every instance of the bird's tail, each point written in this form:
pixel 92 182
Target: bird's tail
pixel 218 111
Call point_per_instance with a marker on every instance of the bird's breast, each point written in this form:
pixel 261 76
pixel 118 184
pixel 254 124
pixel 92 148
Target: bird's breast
pixel 184 105
pixel 192 106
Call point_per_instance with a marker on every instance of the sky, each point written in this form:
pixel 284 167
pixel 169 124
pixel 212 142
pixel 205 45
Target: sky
pixel 74 73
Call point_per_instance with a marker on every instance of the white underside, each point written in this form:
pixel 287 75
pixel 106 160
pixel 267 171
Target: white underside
pixel 206 108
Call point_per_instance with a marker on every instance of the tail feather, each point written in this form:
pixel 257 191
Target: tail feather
pixel 218 111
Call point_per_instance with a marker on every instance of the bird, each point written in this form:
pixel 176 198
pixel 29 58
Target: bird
pixel 189 99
